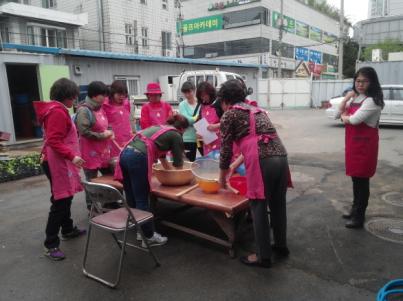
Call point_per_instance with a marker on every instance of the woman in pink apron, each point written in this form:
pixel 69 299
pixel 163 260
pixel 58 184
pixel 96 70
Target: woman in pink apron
pixel 136 162
pixel 117 111
pixel 211 111
pixel 156 111
pixel 267 170
pixel 94 135
pixel 61 162
pixel 360 112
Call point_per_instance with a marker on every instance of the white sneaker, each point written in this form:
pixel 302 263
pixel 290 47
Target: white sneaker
pixel 156 240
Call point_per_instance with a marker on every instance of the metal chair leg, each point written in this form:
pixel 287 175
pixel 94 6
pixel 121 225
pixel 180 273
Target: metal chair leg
pixel 122 254
pixel 86 249
pixel 150 251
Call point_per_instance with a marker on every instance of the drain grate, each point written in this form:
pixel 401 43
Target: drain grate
pixel 393 198
pixel 390 229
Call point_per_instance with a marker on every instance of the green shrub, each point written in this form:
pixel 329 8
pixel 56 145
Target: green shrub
pixel 20 167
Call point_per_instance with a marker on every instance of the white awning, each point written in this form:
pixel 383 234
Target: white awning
pixel 34 12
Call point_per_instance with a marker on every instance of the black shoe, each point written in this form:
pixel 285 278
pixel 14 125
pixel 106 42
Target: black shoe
pixel 73 233
pixel 355 224
pixel 266 263
pixel 282 252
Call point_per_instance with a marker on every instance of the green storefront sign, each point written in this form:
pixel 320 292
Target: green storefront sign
pixel 199 25
pixel 328 38
pixel 302 29
pixel 288 23
pixel 315 34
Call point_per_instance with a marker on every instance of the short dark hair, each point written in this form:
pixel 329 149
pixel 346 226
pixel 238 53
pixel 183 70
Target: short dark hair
pixel 206 87
pixel 118 86
pixel 188 86
pixel 374 89
pixel 178 121
pixel 232 92
pixel 64 89
pixel 97 88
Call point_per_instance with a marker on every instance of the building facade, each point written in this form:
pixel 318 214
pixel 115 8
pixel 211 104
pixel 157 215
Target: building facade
pixel 133 26
pixel 377 30
pixel 27 22
pixel 248 31
pixel 383 8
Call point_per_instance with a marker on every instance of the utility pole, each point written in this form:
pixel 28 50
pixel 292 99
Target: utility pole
pixel 341 40
pixel 280 39
pixel 180 33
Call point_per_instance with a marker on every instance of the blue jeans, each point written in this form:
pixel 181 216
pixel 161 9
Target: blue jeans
pixel 135 183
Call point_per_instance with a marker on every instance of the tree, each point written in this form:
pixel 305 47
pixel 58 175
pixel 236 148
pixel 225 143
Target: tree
pixel 389 45
pixel 349 57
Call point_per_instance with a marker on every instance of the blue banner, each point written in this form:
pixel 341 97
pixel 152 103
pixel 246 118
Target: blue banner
pixel 301 54
pixel 315 56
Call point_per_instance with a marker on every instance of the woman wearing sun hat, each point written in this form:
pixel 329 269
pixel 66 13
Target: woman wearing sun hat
pixel 156 111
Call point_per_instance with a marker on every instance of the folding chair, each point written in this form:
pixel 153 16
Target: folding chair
pixel 114 221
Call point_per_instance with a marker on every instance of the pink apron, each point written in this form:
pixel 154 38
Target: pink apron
pixel 96 153
pixel 248 146
pixel 159 114
pixel 119 120
pixel 209 112
pixel 153 153
pixel 361 147
pixel 65 175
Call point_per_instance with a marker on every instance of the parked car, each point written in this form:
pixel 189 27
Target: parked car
pixel 392 114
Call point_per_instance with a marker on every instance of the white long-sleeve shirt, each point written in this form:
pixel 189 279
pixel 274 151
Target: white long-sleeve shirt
pixel 369 112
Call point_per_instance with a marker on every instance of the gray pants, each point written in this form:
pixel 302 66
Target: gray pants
pixel 275 178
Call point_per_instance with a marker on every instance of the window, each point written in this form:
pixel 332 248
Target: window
pixel 143 2
pixel 129 34
pixel 30 35
pixel 246 17
pixel 49 3
pixel 199 79
pixel 164 4
pixel 191 79
pixel 287 50
pixel 212 80
pixel 166 38
pixel 144 37
pixel 392 94
pixel 132 83
pixel 246 46
pixel 50 37
pixel 229 76
pixel 4 34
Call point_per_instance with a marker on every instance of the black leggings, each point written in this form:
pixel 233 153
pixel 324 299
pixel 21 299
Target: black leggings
pixel 361 196
pixel 190 150
pixel 59 216
pixel 275 178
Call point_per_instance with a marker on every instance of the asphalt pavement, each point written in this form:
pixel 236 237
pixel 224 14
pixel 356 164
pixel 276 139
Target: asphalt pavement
pixel 327 261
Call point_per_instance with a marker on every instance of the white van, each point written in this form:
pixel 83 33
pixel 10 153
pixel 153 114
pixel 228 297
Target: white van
pixel 171 84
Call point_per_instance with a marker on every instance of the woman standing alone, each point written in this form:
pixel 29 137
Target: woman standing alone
pixel 360 112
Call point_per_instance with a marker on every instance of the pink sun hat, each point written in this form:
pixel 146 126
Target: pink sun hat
pixel 153 88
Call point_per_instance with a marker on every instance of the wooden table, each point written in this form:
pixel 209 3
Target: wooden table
pixel 226 208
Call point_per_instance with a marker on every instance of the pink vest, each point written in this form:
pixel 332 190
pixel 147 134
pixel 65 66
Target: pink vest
pixel 209 112
pixel 158 114
pixel 362 143
pixel 249 147
pixel 64 174
pixel 96 153
pixel 119 120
